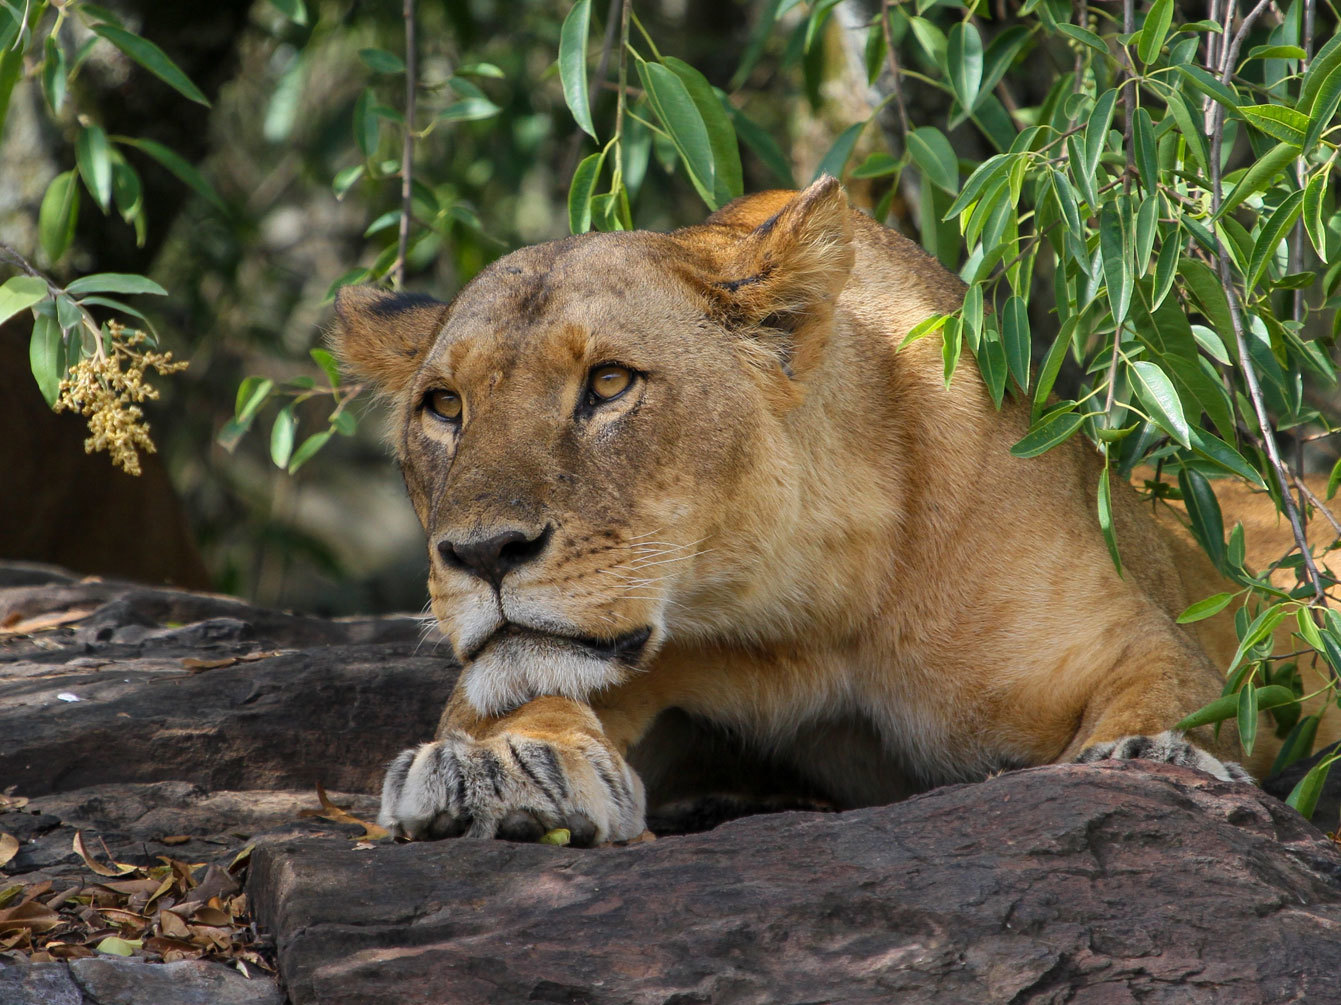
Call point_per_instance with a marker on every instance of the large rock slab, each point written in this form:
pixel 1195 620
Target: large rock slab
pixel 1116 883
pixel 201 724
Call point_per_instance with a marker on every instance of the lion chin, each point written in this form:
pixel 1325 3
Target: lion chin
pixel 516 664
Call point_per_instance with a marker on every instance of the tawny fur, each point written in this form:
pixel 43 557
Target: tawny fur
pixel 815 529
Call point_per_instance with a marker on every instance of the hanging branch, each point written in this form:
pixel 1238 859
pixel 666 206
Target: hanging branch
pixel 892 58
pixel 407 150
pixel 1215 126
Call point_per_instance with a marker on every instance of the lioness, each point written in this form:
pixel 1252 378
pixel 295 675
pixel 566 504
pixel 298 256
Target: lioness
pixel 691 471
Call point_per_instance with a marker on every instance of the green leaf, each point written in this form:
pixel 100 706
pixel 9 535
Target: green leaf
pixel 934 155
pixel 992 364
pixel 1247 716
pixel 1153 32
pixel 951 345
pixel 838 155
pixel 674 106
pixel 329 367
pixel 1166 265
pixel 1263 172
pixel 344 423
pixel 1146 149
pixel 469 110
pixel 573 64
pixel 44 356
pixel 114 282
pixel 963 54
pixel 281 436
pixel 1096 130
pixel 1146 219
pixel 57 216
pixel 986 173
pixel 1325 61
pixel 19 293
pixel 381 61
pixel 1205 287
pixel 173 161
pixel 1203 509
pixel 1304 796
pixel 1045 434
pixel 1015 336
pixel 1283 123
pixel 1329 96
pixel 1105 504
pixel 1189 128
pixel 153 59
pixel 308 449
pixel 1314 192
pixel 1116 261
pixel 876 165
pixel 1211 87
pixel 1273 232
pixel 294 10
pixel 1334 479
pixel 1270 696
pixel 1052 365
pixel 580 191
pixel 54 73
pixel 1160 399
pixel 1298 744
pixel 251 394
pixel 729 181
pixel 1261 627
pixel 1223 455
pixel 367 126
pixel 480 70
pixel 114 945
pixel 761 141
pixel 1084 36
pixel 1204 609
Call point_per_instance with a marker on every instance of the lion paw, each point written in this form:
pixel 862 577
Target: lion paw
pixel 512 787
pixel 1169 747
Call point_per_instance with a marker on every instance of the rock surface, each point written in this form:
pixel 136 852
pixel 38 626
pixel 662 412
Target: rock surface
pixel 1121 883
pixel 202 724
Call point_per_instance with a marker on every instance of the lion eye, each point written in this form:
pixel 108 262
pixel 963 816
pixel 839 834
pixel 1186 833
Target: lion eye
pixel 608 382
pixel 444 404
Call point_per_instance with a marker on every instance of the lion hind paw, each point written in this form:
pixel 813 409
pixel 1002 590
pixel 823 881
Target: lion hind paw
pixel 1170 747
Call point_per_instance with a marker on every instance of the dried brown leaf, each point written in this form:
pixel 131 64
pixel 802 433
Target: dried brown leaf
pixel 171 839
pixel 212 916
pixel 191 663
pixel 341 815
pixel 9 801
pixel 57 900
pixel 44 622
pixel 173 925
pixel 29 915
pixel 241 859
pixel 253 657
pixel 115 869
pixel 9 847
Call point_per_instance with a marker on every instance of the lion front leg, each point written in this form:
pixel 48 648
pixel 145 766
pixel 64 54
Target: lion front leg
pixel 1135 722
pixel 545 765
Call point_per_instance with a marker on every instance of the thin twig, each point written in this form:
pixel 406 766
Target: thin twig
pixel 1216 123
pixel 892 58
pixel 407 151
pixel 1082 15
pixel 1297 238
pixel 1128 77
pixel 624 15
pixel 1316 503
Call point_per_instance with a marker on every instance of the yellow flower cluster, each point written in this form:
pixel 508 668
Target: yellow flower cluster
pixel 107 387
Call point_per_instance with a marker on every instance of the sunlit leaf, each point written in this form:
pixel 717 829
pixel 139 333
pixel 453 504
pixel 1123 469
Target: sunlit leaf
pixel 1160 399
pixel 153 59
pixel 573 64
pixel 19 293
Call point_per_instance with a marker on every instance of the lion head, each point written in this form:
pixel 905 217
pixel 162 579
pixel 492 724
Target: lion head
pixel 593 437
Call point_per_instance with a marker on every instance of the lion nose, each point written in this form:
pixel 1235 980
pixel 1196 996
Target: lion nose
pixel 493 558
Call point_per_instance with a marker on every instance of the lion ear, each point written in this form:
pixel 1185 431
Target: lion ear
pixel 381 336
pixel 788 271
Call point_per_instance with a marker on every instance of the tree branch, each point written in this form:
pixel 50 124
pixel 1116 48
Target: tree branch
pixel 407 150
pixel 1215 124
pixel 892 58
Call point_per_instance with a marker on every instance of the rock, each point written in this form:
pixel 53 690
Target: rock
pixel 103 981
pixel 1118 883
pixel 201 724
